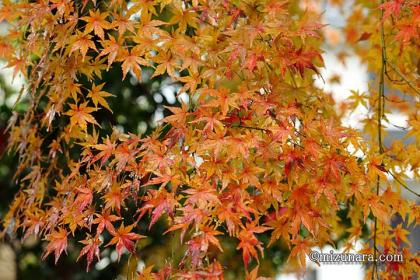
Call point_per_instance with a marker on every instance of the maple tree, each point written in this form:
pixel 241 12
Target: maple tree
pixel 254 150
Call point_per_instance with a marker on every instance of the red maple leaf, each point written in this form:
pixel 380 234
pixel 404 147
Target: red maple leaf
pixel 58 243
pixel 105 221
pixel 124 238
pixel 90 250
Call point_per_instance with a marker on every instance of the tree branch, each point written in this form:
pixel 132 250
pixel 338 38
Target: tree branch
pixel 403 184
pixel 381 109
pixel 408 82
pixel 252 127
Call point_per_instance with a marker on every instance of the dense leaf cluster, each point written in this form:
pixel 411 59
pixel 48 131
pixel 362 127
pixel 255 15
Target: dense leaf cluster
pixel 253 148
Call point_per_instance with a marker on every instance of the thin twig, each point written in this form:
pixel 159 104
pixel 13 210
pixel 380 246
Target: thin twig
pixel 409 83
pixel 402 184
pixel 252 127
pixel 380 115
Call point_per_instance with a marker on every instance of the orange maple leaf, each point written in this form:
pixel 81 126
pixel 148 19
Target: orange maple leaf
pixel 124 238
pixel 83 43
pixel 58 243
pixel 79 115
pixel 96 21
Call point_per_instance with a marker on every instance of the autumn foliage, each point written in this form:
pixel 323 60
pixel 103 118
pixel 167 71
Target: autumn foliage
pixel 255 148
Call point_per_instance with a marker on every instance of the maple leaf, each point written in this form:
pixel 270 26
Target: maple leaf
pixel 303 212
pixel 333 165
pixel 332 132
pixel 97 95
pixel 209 237
pixel 201 197
pixel 84 198
pixel 223 99
pixel 253 275
pixel 122 22
pixel 301 248
pixel 190 82
pixel 212 123
pixel 111 48
pixel 166 63
pixel 83 43
pixel 33 224
pixel 301 59
pixel 18 65
pixel 6 50
pixel 96 21
pixel 91 249
pixel 190 216
pixel 327 189
pixel 312 147
pixel 149 26
pixel 6 10
pixel 106 150
pixel 358 98
pixel 79 115
pixel 57 243
pixel 251 61
pixel 179 115
pixel 292 158
pixel 132 61
pixel 105 220
pixel 158 202
pixel 114 197
pixel 124 238
pixel 123 155
pixel 228 215
pixel 378 209
pixel 146 274
pixel 406 32
pixel 276 6
pixel 248 242
pixel 147 7
pixel 183 17
pixel 400 234
pixel 279 224
pixel 392 7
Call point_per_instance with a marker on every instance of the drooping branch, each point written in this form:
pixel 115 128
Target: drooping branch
pixel 403 184
pixel 403 77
